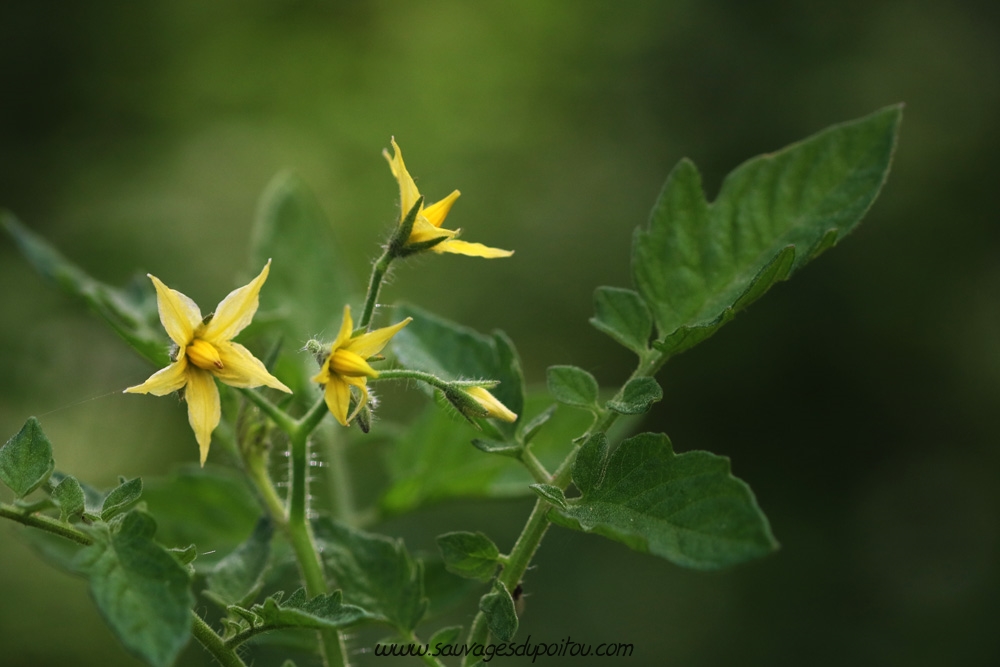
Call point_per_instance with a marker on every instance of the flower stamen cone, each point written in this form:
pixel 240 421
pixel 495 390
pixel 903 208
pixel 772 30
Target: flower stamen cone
pixel 427 225
pixel 348 366
pixel 206 352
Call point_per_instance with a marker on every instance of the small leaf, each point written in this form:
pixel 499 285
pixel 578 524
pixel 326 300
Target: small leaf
pixel 588 468
pixel 121 498
pixel 623 315
pixel 448 635
pixel 185 556
pixel 509 449
pixel 551 494
pixel 376 573
pixel 26 459
pixel 696 264
pixel 687 508
pixel 70 497
pixel 323 612
pixel 140 589
pixel 498 606
pixel 637 396
pixel 530 430
pixel 470 555
pixel 572 386
pixel 238 578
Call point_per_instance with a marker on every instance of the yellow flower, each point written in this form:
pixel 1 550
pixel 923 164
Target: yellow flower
pixel 347 365
pixel 493 407
pixel 427 226
pixel 205 350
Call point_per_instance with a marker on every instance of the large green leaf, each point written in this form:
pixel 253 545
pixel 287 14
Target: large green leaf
pixel 375 572
pixel 623 315
pixel 697 263
pixel 323 612
pixel 239 577
pixel 455 352
pixel 686 508
pixel 26 459
pixel 130 311
pixel 141 590
pixel 309 283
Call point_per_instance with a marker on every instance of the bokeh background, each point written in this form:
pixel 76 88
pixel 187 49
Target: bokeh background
pixel 860 400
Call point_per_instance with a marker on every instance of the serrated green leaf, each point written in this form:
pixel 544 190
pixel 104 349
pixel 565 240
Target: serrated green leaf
pixel 623 315
pixel 121 498
pixel 130 311
pixel 26 459
pixel 551 494
pixel 455 352
pixel 376 573
pixel 588 468
pixel 470 555
pixel 70 497
pixel 501 618
pixel 211 507
pixel 573 386
pixel 140 589
pixel 323 612
pixel 637 396
pixel 697 264
pixel 687 508
pixel 239 577
pixel 447 635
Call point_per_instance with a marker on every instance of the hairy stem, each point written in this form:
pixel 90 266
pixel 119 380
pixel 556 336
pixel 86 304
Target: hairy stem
pixel 45 523
pixel 379 270
pixel 206 636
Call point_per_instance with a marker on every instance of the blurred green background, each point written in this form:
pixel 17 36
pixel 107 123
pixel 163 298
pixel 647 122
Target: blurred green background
pixel 860 400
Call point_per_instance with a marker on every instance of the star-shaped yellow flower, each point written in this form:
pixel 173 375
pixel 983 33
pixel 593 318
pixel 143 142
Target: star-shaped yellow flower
pixel 427 226
pixel 205 350
pixel 347 365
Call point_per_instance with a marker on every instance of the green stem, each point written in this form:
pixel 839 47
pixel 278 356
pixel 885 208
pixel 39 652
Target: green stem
pixel 206 636
pixel 281 418
pixel 202 632
pixel 407 374
pixel 535 467
pixel 379 269
pixel 427 658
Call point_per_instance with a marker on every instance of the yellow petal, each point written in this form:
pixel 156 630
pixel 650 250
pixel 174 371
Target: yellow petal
pixel 424 231
pixel 324 372
pixel 204 413
pixel 346 328
pixel 338 398
pixel 494 407
pixel 438 211
pixel 235 311
pixel 369 344
pixel 408 192
pixel 360 383
pixel 348 364
pixel 179 315
pixel 165 380
pixel 241 369
pixel 470 249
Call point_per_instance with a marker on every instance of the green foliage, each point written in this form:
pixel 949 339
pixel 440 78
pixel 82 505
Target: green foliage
pixel 686 508
pixel 638 396
pixel 623 315
pixel 375 572
pixel 121 498
pixel 573 386
pixel 452 351
pixel 550 494
pixel 142 591
pixel 130 311
pixel 498 606
pixel 70 498
pixel 697 264
pixel 471 555
pixel 239 577
pixel 323 612
pixel 26 459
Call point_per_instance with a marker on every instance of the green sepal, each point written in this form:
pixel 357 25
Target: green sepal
pixel 403 229
pixel 510 449
pixel 446 635
pixel 637 397
pixel 130 311
pixel 573 386
pixel 469 555
pixel 376 573
pixel 142 591
pixel 623 315
pixel 529 430
pixel 121 498
pixel 686 508
pixel 696 264
pixel 239 577
pixel 26 459
pixel 498 607
pixel 70 498
pixel 550 494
